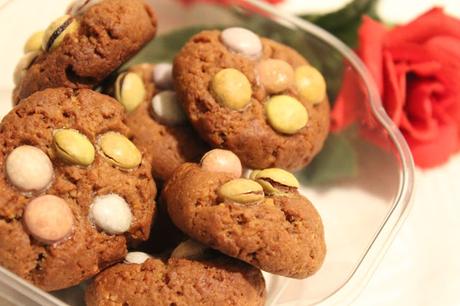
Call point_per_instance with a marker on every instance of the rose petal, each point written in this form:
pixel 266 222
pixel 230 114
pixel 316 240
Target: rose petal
pixel 371 35
pixel 394 92
pixel 431 24
pixel 437 151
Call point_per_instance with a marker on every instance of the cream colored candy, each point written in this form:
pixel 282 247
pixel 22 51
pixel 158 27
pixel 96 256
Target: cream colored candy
pixel 120 150
pixel 57 30
pixel 232 88
pixel 136 257
pixel 81 6
pixel 219 160
pixel 167 109
pixel 189 249
pixel 271 178
pixel 242 41
pixel 129 90
pixel 162 76
pixel 23 65
pixel 241 190
pixel 310 83
pixel 275 75
pixel 286 114
pixel 111 214
pixel 29 169
pixel 73 147
pixel 34 42
pixel 48 219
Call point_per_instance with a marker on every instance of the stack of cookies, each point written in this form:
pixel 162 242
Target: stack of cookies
pixel 81 168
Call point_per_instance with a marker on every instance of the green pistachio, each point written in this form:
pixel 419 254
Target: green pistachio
pixel 129 90
pixel 34 43
pixel 270 179
pixel 57 30
pixel 73 147
pixel 241 191
pixel 120 150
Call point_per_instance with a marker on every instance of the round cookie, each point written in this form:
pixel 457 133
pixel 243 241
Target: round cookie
pixel 253 96
pixel 178 281
pixel 162 132
pixel 57 235
pixel 82 48
pixel 264 222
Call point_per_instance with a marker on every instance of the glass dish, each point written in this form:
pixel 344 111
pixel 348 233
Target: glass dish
pixel 361 183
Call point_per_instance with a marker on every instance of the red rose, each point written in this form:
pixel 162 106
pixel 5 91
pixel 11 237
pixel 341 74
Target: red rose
pixel 417 71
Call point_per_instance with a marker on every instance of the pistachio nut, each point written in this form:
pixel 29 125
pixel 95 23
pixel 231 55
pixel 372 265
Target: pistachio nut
pixel 241 190
pixel 81 6
pixel 189 249
pixel 276 180
pixel 73 147
pixel 120 150
pixel 286 114
pixel 34 42
pixel 129 90
pixel 231 88
pixel 310 83
pixel 57 30
pixel 23 65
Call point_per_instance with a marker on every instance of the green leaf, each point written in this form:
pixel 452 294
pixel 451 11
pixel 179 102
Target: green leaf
pixel 338 160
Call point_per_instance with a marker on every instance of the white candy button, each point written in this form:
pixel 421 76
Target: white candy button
pixel 162 76
pixel 167 108
pixel 136 257
pixel 242 41
pixel 29 168
pixel 111 214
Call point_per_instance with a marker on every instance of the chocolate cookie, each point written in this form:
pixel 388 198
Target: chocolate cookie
pixel 82 48
pixel 253 96
pixel 156 119
pixel 74 190
pixel 218 280
pixel 263 221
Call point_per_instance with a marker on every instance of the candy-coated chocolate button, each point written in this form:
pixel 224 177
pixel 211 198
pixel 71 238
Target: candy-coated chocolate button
pixel 129 90
pixel 111 214
pixel 286 114
pixel 136 257
pixel 48 218
pixel 232 88
pixel 275 75
pixel 219 160
pixel 167 108
pixel 310 83
pixel 242 41
pixel 34 42
pixel 29 168
pixel 162 76
pixel 120 150
pixel 57 30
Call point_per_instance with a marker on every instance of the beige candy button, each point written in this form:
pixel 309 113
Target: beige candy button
pixel 23 65
pixel 219 160
pixel 189 249
pixel 29 168
pixel 129 90
pixel 241 190
pixel 57 30
pixel 310 83
pixel 34 43
pixel 48 219
pixel 242 41
pixel 111 214
pixel 275 75
pixel 73 147
pixel 232 88
pixel 286 114
pixel 120 150
pixel 167 108
pixel 136 257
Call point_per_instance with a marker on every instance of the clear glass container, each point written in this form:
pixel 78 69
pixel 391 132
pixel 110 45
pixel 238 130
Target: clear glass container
pixel 361 183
